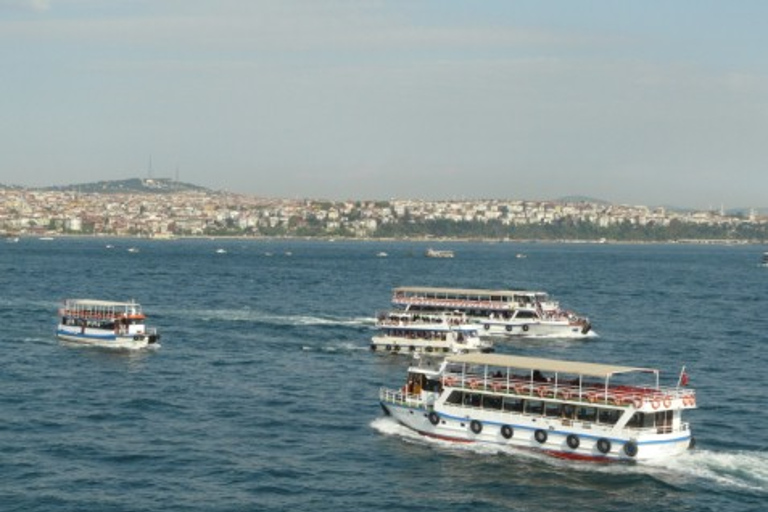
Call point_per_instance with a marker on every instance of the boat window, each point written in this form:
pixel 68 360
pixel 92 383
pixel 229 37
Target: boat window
pixel 472 399
pixel 432 385
pixel 534 407
pixel 522 313
pixel 609 416
pixel 456 397
pixel 586 413
pixel 491 402
pixel 640 420
pixel 663 422
pixel 568 411
pixel 513 404
pixel 552 409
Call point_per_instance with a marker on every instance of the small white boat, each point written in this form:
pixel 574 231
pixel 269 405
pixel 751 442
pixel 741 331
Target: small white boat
pixel 567 409
pixel 434 253
pixel 133 249
pixel 404 333
pixel 381 254
pixel 221 251
pixel 105 323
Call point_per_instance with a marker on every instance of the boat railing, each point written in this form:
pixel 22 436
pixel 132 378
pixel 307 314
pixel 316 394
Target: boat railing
pixel 621 396
pixel 400 396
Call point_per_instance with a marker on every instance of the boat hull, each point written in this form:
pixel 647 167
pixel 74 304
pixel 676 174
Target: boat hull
pixel 108 339
pixel 549 436
pixel 543 329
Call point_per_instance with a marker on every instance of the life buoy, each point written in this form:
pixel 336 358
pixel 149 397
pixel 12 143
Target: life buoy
pixel 637 402
pixel 388 348
pixel 476 426
pixel 540 436
pixel 630 448
pixel 525 328
pixel 137 338
pixel 667 402
pixel 507 432
pixel 656 402
pixel 397 348
pixel 509 328
pixel 573 441
pixel 603 445
pixel 434 418
pixel 487 326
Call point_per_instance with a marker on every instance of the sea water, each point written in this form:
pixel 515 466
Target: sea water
pixel 263 393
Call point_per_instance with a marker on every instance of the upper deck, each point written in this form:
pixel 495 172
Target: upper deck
pixel 467 297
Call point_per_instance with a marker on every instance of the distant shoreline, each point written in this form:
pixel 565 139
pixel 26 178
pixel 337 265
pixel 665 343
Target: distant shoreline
pixel 419 240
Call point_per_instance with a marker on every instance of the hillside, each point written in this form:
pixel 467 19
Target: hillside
pixel 133 185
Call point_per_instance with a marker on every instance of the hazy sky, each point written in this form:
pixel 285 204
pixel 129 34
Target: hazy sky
pixel 641 102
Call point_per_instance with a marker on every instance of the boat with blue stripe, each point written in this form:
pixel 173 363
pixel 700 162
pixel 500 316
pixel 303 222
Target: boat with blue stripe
pixel 567 409
pixel 105 323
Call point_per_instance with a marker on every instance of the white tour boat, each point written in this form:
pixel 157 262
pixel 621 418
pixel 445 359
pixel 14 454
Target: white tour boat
pixel 435 253
pixel 568 409
pixel 499 312
pixel 400 332
pixel 105 323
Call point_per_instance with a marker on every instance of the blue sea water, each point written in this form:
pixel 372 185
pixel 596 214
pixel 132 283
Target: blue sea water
pixel 263 395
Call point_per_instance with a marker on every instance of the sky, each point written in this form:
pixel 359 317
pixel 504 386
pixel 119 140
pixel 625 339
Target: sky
pixel 653 102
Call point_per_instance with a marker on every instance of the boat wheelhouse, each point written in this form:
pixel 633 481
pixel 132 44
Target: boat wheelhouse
pixel 406 333
pixel 568 409
pixel 105 323
pixel 499 312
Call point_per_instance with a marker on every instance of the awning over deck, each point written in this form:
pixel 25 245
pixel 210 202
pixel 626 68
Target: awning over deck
pixel 547 365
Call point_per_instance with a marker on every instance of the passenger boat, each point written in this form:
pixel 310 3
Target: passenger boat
pixel 567 409
pixel 405 333
pixel 434 253
pixel 499 312
pixel 764 261
pixel 105 323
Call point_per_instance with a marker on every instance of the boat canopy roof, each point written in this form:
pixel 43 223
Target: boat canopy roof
pixel 547 365
pixel 91 303
pixel 465 291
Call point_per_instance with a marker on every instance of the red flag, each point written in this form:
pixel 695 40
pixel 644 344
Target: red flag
pixel 684 379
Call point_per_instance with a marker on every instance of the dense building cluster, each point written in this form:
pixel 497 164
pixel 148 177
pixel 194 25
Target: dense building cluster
pixel 195 213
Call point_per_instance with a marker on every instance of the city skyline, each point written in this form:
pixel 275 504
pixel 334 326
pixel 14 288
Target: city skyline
pixel 654 104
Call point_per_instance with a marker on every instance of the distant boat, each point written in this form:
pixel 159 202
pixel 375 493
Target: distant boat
pixel 133 249
pixel 764 261
pixel 46 238
pixel 521 256
pixel 382 254
pixel 105 323
pixel 434 253
pixel 221 251
pixel 12 239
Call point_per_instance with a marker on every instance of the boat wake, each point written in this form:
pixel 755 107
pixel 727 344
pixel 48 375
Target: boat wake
pixel 740 471
pixel 336 347
pixel 256 316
